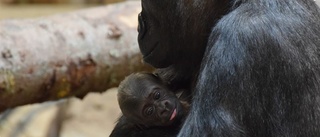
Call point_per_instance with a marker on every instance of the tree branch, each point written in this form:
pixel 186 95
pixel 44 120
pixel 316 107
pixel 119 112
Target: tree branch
pixel 66 55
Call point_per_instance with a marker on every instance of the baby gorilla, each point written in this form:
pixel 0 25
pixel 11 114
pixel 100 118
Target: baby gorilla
pixel 145 99
pixel 148 104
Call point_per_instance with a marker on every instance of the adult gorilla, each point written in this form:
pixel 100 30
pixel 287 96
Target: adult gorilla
pixel 259 74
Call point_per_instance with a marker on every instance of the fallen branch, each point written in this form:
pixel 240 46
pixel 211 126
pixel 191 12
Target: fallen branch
pixel 67 55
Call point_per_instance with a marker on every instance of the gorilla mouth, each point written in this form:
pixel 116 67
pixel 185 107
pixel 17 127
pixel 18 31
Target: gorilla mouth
pixel 174 114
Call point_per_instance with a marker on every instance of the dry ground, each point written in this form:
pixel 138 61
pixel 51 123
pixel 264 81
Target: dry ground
pixel 94 116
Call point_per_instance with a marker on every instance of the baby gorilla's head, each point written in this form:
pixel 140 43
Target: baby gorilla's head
pixel 145 99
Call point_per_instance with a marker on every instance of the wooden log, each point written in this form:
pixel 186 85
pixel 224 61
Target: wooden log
pixel 67 55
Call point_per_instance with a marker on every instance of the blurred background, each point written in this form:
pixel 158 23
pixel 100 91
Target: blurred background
pixel 94 116
pixel 36 8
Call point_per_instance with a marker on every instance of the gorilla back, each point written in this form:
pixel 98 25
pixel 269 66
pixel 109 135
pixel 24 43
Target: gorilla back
pixel 259 74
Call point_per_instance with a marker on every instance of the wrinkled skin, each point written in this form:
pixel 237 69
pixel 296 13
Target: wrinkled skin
pixel 253 64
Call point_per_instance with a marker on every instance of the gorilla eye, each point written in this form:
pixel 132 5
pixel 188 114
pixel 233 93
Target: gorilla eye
pixel 156 95
pixel 149 111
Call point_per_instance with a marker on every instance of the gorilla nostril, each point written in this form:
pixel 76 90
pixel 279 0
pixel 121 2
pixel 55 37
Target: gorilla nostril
pixel 166 106
pixel 166 103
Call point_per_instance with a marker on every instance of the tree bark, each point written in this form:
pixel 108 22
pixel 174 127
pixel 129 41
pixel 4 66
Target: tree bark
pixel 67 55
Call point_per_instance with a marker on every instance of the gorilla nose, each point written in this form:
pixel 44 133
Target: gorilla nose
pixel 164 108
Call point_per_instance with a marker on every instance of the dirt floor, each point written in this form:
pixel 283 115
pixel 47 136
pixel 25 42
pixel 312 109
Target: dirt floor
pixel 94 116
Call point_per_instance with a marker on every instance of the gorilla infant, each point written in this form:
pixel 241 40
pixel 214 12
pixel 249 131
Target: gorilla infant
pixel 148 104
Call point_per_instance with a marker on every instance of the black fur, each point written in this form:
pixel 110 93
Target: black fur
pixel 254 63
pixel 124 128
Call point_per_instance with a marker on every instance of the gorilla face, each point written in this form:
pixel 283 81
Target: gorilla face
pixel 155 38
pixel 175 31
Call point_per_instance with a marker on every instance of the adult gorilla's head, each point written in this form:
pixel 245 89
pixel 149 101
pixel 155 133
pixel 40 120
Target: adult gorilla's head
pixel 176 31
